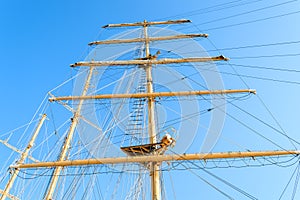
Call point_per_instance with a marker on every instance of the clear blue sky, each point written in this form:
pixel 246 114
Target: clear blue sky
pixel 38 41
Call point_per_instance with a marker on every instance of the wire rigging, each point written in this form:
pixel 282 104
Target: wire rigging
pixel 218 178
pixel 255 77
pixel 256 46
pixel 211 9
pixel 263 122
pixel 262 67
pixel 252 46
pixel 244 13
pixel 208 183
pixel 267 56
pixel 253 21
pixel 296 182
pixel 229 184
pixel 286 186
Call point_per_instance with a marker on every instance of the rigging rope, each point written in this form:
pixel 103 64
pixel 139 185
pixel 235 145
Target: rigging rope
pixel 288 182
pixel 255 46
pixel 210 184
pixel 248 12
pixel 209 10
pixel 261 67
pixel 263 122
pixel 253 21
pixel 220 179
pixel 267 56
pixel 296 182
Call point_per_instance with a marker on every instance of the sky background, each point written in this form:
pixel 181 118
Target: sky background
pixel 39 40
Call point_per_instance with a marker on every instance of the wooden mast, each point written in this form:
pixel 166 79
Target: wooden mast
pixel 154 166
pixel 147 63
pixel 65 148
pixel 24 155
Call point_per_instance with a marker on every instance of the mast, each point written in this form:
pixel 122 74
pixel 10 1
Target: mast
pixel 65 148
pixel 147 63
pixel 154 167
pixel 24 155
pixel 154 158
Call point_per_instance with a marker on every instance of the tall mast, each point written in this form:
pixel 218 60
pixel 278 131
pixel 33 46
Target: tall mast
pixel 154 167
pixel 65 148
pixel 154 159
pixel 24 155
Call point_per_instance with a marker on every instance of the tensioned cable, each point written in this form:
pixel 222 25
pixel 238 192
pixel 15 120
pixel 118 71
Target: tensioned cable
pixel 229 184
pixel 253 21
pixel 218 178
pixel 245 125
pixel 267 56
pixel 226 61
pixel 257 77
pixel 98 188
pixel 288 182
pixel 210 184
pixel 255 46
pixel 14 130
pixel 198 10
pixel 207 9
pixel 32 119
pixel 247 76
pixel 273 117
pixel 187 117
pixel 172 184
pixel 254 131
pixel 248 12
pixel 262 67
pixel 258 97
pixel 278 131
pixel 241 47
pixel 296 182
pixel 73 184
pixel 93 183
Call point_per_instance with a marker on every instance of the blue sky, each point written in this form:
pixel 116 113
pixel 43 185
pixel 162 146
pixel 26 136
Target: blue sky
pixel 38 41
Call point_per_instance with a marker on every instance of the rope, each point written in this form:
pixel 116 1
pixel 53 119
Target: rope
pixel 244 13
pixel 222 180
pixel 296 182
pixel 253 21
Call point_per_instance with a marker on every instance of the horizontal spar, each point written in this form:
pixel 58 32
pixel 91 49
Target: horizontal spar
pixel 157 158
pixel 145 23
pixel 173 37
pixel 154 94
pixel 148 62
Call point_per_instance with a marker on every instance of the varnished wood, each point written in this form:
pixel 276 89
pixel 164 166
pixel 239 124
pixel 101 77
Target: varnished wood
pixel 173 37
pixel 148 62
pixel 158 158
pixel 145 23
pixel 154 94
